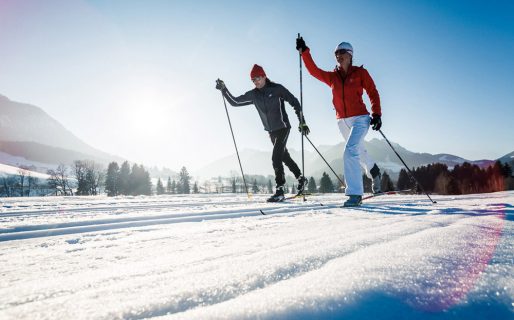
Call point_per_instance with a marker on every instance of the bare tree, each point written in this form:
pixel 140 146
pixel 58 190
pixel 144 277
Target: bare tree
pixel 22 173
pixel 25 175
pixel 89 175
pixel 96 175
pixel 59 180
pixel 53 181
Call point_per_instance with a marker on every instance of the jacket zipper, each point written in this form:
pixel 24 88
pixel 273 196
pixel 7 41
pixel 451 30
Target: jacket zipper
pixel 342 81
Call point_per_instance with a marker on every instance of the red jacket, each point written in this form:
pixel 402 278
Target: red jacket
pixel 347 93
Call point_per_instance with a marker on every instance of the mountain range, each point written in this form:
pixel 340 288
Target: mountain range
pixel 31 137
pixel 259 162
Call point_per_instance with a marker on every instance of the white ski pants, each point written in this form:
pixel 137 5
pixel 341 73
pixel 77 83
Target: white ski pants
pixel 354 129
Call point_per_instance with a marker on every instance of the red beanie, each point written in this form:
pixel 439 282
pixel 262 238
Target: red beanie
pixel 257 71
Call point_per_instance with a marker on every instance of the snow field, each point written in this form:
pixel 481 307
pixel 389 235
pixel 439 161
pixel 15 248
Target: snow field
pixel 216 257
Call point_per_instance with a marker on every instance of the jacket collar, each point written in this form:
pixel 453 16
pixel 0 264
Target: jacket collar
pixel 341 71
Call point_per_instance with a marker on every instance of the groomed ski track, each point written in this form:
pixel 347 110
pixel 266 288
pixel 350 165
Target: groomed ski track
pixel 173 212
pixel 45 230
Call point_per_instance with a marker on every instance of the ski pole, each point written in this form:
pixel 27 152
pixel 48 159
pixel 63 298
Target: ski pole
pixel 301 113
pixel 410 172
pixel 235 145
pixel 312 144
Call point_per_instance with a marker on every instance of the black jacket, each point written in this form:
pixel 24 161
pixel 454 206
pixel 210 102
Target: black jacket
pixel 269 102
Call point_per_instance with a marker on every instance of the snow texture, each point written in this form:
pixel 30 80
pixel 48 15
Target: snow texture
pixel 218 257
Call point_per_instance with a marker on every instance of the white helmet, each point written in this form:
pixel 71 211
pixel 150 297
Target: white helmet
pixel 345 46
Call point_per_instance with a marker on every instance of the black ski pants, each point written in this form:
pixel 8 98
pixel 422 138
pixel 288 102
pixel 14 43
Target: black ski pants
pixel 281 155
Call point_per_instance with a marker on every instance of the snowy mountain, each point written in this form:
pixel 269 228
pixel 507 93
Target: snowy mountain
pixel 259 162
pixel 508 158
pixel 31 135
pixel 215 256
pixel 254 161
pixel 10 170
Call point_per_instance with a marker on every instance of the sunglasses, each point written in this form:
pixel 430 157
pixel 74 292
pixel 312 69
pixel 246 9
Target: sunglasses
pixel 341 51
pixel 256 79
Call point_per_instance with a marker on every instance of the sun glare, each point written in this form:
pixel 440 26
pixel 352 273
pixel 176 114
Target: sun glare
pixel 148 114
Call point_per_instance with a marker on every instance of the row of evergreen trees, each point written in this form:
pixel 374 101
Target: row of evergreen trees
pixel 136 181
pixel 462 179
pixel 183 186
pixel 326 185
pixel 127 181
pixel 435 178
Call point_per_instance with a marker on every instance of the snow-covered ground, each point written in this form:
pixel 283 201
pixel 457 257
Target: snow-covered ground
pixel 11 170
pixel 218 257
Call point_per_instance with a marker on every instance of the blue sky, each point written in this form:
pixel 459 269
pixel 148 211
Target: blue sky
pixel 136 78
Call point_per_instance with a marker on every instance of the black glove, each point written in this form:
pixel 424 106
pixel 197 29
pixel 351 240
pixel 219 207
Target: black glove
pixel 300 44
pixel 376 122
pixel 220 85
pixel 303 128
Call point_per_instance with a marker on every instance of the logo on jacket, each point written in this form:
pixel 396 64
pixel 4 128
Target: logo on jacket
pixel 270 95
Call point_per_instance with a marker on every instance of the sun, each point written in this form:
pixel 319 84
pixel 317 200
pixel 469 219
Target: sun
pixel 147 119
pixel 147 113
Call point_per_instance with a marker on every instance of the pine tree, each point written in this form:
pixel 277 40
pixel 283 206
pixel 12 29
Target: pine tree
pixel 312 185
pixel 169 188
pixel 112 179
pixel 507 170
pixel 293 189
pixel 174 187
pixel 147 182
pixel 404 181
pixel 441 183
pixel 453 186
pixel 184 181
pixel 234 185
pixel 139 182
pixel 195 188
pixel 123 185
pixel 134 180
pixel 496 177
pixel 255 188
pixel 325 184
pixel 160 187
pixel 270 186
pixel 386 183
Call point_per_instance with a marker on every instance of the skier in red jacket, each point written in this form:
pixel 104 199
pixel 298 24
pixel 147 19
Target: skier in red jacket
pixel 347 83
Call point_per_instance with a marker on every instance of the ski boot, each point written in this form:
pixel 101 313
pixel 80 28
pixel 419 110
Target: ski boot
pixel 278 196
pixel 302 182
pixel 376 179
pixel 353 201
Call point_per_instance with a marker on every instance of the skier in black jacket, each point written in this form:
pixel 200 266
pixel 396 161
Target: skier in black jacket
pixel 268 98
